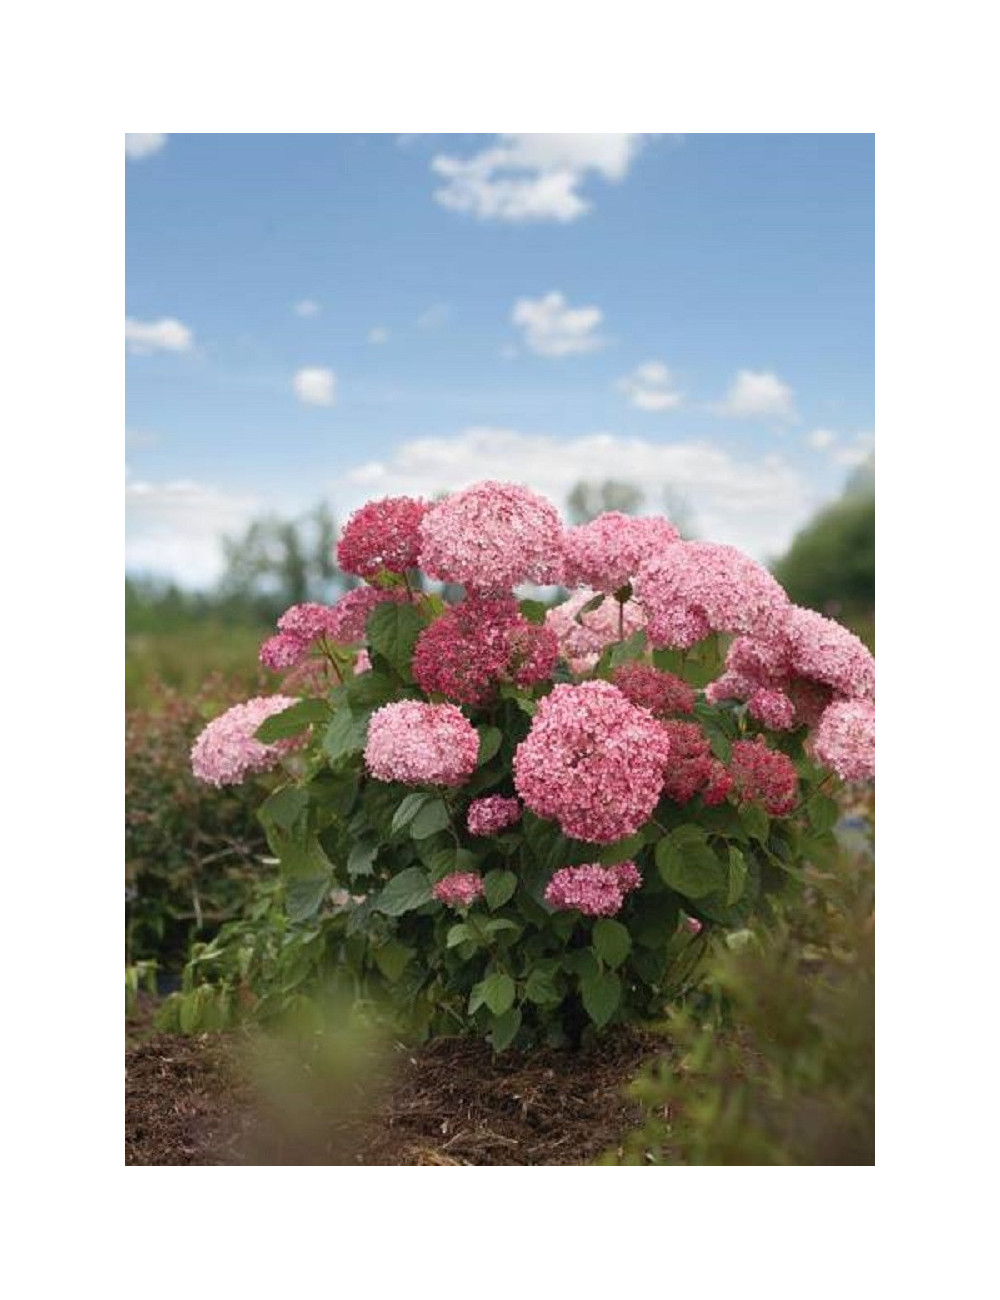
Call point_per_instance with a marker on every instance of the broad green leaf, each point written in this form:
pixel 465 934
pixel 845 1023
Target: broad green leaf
pixel 534 610
pixel 304 895
pixel 408 808
pixel 582 963
pixel 542 987
pixel 361 858
pixel 823 813
pixel 490 740
pixel 292 721
pixel 737 876
pixel 630 649
pixel 404 893
pixel 612 942
pixel 601 995
pixel 689 866
pixel 622 851
pixel 755 821
pixel 505 1029
pixel 501 925
pixel 431 818
pixel 496 992
pixel 285 808
pixel 500 887
pixel 392 633
pixel 458 934
pixel 392 959
pixel 346 734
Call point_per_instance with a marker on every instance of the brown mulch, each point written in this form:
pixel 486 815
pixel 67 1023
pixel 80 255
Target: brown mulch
pixel 450 1102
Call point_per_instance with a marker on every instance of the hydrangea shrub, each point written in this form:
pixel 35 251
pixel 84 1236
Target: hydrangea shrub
pixel 527 820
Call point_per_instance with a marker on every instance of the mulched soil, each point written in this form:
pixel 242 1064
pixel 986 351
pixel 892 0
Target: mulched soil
pixel 451 1102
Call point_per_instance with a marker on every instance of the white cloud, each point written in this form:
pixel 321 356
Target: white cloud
pixel 821 439
pixel 758 393
pixel 434 317
pixel 533 177
pixel 174 528
pixel 378 334
pixel 165 335
pixel 650 387
pixel 554 329
pixel 307 308
pixel 141 146
pixel 315 386
pixel 858 452
pixel 754 503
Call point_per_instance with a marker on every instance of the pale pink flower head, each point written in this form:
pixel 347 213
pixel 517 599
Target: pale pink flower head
pixel 827 652
pixel 382 536
pixel 773 708
pixel 283 651
pixel 591 889
pixel 460 889
pixel 606 552
pixel 582 637
pixel 845 739
pixel 628 876
pixel 227 750
pixel 592 761
pixel 763 775
pixel 691 589
pixel 493 814
pixel 421 744
pixel 492 536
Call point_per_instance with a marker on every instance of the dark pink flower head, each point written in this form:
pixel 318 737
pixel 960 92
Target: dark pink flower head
pixel 845 739
pixel 591 889
pixel 421 744
pixel 592 761
pixel 382 535
pixel 492 536
pixel 606 552
pixel 691 765
pixel 763 775
pixel 773 708
pixel 349 616
pixel 460 889
pixel 582 637
pixel 691 589
pixel 493 814
pixel 660 692
pixel 227 750
pixel 718 785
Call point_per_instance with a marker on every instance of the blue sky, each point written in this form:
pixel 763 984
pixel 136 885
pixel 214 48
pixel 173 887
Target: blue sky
pixel 339 317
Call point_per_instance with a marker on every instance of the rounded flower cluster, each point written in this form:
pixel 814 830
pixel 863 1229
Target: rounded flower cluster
pixel 845 739
pixel 227 750
pixel 763 775
pixel 660 692
pixel 825 651
pixel 692 768
pixel 349 616
pixel 478 643
pixel 582 637
pixel 606 553
pixel 421 744
pixel 492 536
pixel 592 761
pixel 592 889
pixel 691 589
pixel 491 815
pixel 460 889
pixel 382 535
pixel 302 626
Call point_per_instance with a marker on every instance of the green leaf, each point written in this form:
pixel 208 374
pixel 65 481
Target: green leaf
pixel 612 942
pixel 346 734
pixel 404 893
pixel 285 808
pixel 459 934
pixel 622 851
pixel 292 721
pixel 500 887
pixel 392 958
pixel 630 649
pixel 755 821
pixel 490 740
pixel 542 986
pixel 688 865
pixel 304 895
pixel 582 963
pixel 823 813
pixel 392 633
pixel 496 992
pixel 502 924
pixel 407 810
pixel 505 1029
pixel 737 876
pixel 430 819
pixel 534 610
pixel 601 995
pixel 361 858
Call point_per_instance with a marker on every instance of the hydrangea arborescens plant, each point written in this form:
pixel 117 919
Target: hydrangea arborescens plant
pixel 527 819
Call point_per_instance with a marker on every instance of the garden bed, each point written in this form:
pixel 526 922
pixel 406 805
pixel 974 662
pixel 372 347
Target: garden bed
pixel 450 1102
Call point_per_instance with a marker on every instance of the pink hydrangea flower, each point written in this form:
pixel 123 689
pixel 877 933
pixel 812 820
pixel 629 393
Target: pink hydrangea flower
pixel 592 761
pixel 582 637
pixel 606 552
pixel 362 663
pixel 592 889
pixel 845 739
pixel 718 785
pixel 773 708
pixel 421 744
pixel 460 889
pixel 693 925
pixel 691 589
pixel 660 692
pixel 227 750
pixel 493 814
pixel 763 775
pixel 382 535
pixel 349 616
pixel 492 536
pixel 281 652
pixel 825 651
pixel 691 763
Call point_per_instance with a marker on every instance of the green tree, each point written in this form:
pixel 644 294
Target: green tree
pixel 588 500
pixel 281 562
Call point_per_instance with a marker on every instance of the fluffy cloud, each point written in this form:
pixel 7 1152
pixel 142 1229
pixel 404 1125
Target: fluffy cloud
pixel 174 529
pixel 141 146
pixel 379 334
pixel 650 387
pixel 315 386
pixel 532 177
pixel 754 503
pixel 857 452
pixel 821 439
pixel 756 393
pixel 165 335
pixel 306 308
pixel 554 329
